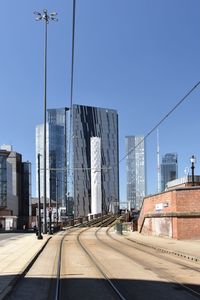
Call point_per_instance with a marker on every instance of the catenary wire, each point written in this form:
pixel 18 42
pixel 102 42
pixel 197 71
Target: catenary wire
pixel 162 120
pixel 145 137
pixel 72 82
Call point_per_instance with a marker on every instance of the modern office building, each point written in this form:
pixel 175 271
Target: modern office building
pixel 56 156
pixel 69 146
pixel 135 170
pixel 169 169
pixel 102 123
pixel 25 203
pixel 15 188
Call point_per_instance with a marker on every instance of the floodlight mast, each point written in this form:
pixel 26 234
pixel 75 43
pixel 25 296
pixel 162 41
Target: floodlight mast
pixel 45 17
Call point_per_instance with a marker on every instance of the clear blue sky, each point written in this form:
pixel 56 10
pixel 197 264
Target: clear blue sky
pixel 137 56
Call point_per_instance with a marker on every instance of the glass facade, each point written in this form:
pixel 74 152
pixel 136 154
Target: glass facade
pixel 69 160
pixel 55 154
pixel 15 185
pixel 103 123
pixel 135 170
pixel 3 180
pixel 25 203
pixel 169 169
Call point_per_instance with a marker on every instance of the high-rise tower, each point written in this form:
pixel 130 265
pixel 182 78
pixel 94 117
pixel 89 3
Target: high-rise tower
pixel 135 170
pixel 103 123
pixel 169 168
pixel 87 122
pixel 56 155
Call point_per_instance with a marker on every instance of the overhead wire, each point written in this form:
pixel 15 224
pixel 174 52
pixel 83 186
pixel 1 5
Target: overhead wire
pixel 162 120
pixel 72 84
pixel 72 70
pixel 72 90
pixel 146 136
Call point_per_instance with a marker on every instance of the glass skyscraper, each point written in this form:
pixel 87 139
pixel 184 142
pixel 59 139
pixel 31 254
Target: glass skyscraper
pixel 55 154
pixel 68 149
pixel 135 170
pixel 169 169
pixel 3 179
pixel 103 123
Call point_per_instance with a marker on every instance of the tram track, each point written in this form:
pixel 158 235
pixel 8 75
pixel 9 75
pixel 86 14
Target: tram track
pixel 99 262
pixel 18 285
pixel 102 221
pixel 160 271
pixel 100 267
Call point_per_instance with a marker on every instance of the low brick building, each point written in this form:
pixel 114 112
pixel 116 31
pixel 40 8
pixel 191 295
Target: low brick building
pixel 174 213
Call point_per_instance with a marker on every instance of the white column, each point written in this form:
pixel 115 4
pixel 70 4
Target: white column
pixel 96 201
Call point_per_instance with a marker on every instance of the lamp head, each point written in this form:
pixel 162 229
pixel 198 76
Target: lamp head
pixel 193 159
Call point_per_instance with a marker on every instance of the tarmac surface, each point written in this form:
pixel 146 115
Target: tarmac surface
pixel 18 254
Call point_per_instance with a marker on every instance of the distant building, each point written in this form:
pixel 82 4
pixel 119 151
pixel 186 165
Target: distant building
pixel 183 182
pixel 55 154
pixel 135 170
pixel 15 188
pixel 169 169
pixel 103 123
pixel 25 203
pixel 87 122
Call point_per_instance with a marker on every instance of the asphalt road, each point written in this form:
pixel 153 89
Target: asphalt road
pixel 11 236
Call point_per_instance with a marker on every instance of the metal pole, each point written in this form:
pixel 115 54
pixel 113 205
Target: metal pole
pixel 39 213
pixel 45 117
pixel 65 177
pixel 192 167
pixel 57 203
pixel 50 208
pixel 45 17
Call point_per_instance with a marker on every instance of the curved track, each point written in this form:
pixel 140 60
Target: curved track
pixel 176 270
pixel 95 263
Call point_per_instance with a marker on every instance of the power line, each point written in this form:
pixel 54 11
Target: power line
pixel 72 57
pixel 72 86
pixel 148 134
pixel 162 120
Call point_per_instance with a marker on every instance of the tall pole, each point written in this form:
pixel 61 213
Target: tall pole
pixel 39 236
pixel 65 165
pixel 57 203
pixel 192 167
pixel 45 121
pixel 44 16
pixel 158 163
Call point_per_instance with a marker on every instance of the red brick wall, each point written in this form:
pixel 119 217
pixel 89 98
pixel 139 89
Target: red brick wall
pixel 188 200
pixel 188 228
pixel 180 200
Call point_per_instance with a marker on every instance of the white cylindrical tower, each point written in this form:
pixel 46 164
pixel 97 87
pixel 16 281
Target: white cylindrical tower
pixel 96 200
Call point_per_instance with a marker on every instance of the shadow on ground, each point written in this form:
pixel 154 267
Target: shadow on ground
pixel 97 289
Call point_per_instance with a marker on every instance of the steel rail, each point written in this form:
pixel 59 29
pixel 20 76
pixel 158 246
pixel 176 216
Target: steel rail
pixel 57 292
pixel 142 247
pixel 167 276
pixel 68 231
pixel 97 265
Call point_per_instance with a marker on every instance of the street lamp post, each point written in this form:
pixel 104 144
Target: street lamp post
pixel 56 203
pixel 192 160
pixel 39 236
pixel 45 17
pixel 65 164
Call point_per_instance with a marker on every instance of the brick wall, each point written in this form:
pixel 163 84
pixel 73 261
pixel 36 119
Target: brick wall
pixel 171 214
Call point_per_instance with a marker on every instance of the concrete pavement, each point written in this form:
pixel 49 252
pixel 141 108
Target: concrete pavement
pixel 16 256
pixel 188 249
